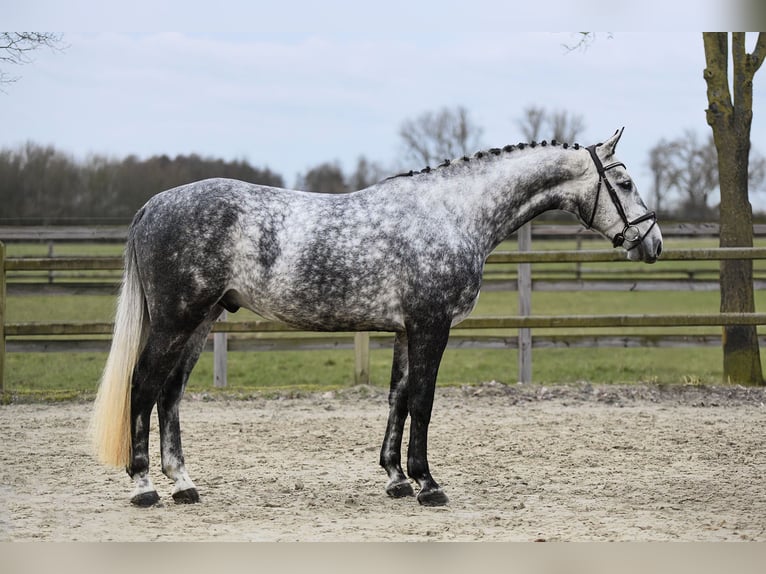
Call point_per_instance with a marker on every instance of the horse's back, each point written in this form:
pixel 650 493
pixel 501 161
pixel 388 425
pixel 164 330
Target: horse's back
pixel 207 214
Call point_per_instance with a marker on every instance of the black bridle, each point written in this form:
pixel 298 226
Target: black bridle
pixel 631 233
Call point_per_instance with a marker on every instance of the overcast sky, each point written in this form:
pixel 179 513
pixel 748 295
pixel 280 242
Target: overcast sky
pixel 292 85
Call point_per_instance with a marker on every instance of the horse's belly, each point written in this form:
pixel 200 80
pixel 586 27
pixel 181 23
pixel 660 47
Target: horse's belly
pixel 326 314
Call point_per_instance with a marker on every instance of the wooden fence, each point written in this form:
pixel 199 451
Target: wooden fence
pixel 26 336
pixel 118 233
pixel 71 281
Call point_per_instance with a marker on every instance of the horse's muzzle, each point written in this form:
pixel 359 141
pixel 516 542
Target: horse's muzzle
pixel 647 250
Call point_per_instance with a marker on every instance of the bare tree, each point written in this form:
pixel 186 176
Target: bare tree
pixel 531 124
pixel 730 116
pixel 565 127
pixel 366 173
pixel 756 180
pixel 433 137
pixel 560 125
pixel 16 49
pixel 731 119
pixel 691 171
pixel 660 164
pixel 686 170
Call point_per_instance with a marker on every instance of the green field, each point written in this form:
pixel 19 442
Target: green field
pixel 76 374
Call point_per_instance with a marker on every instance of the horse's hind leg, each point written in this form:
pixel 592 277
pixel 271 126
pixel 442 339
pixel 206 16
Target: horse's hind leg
pixel 184 490
pixel 391 451
pixel 157 360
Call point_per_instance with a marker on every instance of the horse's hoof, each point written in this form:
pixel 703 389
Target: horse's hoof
pixel 400 489
pixel 188 496
pixel 435 497
pixel 145 499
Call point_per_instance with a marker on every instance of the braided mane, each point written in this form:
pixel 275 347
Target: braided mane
pixel 491 152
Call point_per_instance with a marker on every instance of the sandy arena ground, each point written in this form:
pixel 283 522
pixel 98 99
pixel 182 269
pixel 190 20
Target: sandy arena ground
pixel 560 463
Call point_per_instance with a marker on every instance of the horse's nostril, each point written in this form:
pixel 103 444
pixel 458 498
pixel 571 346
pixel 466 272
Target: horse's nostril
pixel 659 249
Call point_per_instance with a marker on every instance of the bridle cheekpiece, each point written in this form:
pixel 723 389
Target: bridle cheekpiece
pixel 631 233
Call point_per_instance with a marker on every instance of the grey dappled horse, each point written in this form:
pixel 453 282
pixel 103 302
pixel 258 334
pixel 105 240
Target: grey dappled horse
pixel 405 255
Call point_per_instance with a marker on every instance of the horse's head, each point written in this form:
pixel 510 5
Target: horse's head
pixel 614 208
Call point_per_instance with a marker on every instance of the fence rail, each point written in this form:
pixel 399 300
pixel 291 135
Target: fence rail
pixel 514 257
pixel 33 332
pixel 469 324
pixel 118 233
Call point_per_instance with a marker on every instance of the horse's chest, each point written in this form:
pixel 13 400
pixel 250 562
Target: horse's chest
pixel 448 287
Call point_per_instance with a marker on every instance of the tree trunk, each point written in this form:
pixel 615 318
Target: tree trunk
pixel 741 354
pixel 731 121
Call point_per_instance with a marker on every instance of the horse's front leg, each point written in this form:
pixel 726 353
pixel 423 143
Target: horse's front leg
pixel 425 349
pixel 391 451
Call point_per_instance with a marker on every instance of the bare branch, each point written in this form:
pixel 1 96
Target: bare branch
pixel 759 53
pixel 560 125
pixel 565 127
pixel 584 40
pixel 16 48
pixel 433 137
pixel 532 122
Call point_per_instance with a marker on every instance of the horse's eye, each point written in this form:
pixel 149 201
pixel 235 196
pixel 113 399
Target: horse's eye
pixel 627 185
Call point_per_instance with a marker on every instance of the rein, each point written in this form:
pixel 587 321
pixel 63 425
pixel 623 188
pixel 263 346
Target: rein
pixel 630 233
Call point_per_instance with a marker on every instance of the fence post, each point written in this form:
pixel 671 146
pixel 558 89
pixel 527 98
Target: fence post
pixel 50 254
pixel 525 305
pixel 2 316
pixel 220 352
pixel 362 358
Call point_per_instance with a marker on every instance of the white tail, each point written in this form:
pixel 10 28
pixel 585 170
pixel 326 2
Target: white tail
pixel 110 422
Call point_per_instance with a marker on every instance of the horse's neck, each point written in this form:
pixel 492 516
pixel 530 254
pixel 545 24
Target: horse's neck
pixel 497 195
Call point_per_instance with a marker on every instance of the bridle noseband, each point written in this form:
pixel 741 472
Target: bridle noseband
pixel 630 233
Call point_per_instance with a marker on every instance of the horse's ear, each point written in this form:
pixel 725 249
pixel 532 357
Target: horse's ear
pixel 609 145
